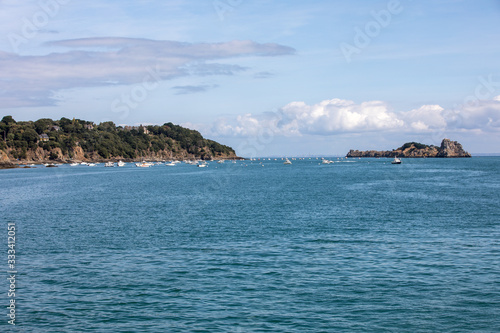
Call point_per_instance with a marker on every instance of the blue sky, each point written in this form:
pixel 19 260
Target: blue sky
pixel 265 77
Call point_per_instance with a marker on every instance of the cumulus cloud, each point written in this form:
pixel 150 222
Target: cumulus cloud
pixel 93 62
pixel 484 115
pixel 425 118
pixel 338 116
pixel 328 117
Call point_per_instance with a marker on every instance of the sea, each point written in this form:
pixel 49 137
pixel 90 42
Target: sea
pixel 358 245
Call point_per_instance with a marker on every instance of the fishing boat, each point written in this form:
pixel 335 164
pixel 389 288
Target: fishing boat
pixel 396 161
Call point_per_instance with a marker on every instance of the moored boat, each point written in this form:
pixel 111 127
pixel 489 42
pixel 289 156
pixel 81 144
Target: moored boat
pixel 143 164
pixel 396 161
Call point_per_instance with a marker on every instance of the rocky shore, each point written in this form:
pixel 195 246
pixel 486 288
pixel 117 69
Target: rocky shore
pixel 447 149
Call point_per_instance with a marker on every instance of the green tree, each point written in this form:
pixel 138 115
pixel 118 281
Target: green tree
pixel 43 125
pixel 31 137
pixel 8 120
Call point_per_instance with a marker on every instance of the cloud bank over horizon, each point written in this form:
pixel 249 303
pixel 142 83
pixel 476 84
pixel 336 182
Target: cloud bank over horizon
pixel 338 116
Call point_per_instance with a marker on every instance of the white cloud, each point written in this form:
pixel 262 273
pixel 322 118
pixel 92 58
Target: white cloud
pixel 484 115
pixel 325 118
pixel 338 116
pixel 427 117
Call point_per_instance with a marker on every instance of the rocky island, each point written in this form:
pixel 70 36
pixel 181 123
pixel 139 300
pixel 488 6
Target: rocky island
pixel 74 140
pixel 448 148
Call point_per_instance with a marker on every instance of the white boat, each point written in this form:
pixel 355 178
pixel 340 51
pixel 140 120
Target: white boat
pixel 202 165
pixel 143 165
pixel 324 161
pixel 73 164
pixel 120 163
pixel 396 161
pixel 109 164
pixel 220 161
pixel 91 164
pixel 287 161
pixel 170 164
pixel 84 163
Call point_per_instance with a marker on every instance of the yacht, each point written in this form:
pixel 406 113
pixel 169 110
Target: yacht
pixel 396 161
pixel 120 163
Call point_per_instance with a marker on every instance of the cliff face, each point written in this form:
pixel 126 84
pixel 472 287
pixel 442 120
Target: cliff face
pixel 451 149
pixel 448 148
pixel 77 154
pixel 67 140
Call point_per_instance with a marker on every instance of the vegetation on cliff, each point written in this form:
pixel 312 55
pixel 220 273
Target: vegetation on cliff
pixel 83 140
pixel 448 148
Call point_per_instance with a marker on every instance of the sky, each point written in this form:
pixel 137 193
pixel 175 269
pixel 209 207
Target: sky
pixel 268 78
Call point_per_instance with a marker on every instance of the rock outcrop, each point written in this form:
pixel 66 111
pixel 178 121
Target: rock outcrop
pixel 448 148
pixel 451 149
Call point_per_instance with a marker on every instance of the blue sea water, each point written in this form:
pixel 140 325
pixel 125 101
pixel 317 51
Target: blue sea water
pixel 354 246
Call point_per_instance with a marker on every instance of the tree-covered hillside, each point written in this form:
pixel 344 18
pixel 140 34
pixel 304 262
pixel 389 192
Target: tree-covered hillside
pixel 80 139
